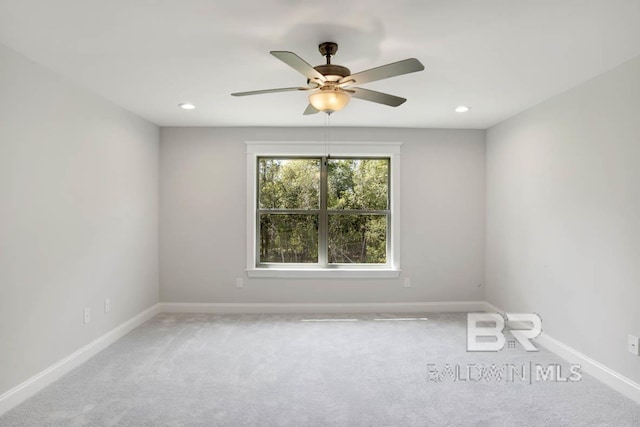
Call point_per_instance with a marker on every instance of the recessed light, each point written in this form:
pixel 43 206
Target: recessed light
pixel 186 106
pixel 462 109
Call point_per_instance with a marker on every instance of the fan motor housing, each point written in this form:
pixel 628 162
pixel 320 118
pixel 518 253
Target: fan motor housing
pixel 333 70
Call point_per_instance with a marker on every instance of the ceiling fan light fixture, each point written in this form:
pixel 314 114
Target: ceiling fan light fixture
pixel 329 100
pixel 331 86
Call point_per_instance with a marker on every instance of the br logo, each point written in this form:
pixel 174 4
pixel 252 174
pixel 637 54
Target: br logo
pixel 485 331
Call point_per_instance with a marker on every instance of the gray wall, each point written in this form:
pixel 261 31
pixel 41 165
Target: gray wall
pixel 78 217
pixel 563 216
pixel 202 218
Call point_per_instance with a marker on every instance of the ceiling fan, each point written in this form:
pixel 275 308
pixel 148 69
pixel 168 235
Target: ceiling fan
pixel 332 85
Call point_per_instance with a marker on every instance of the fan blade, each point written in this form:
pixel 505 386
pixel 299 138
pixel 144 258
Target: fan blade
pixel 298 64
pixel 374 96
pixel 310 110
pixel 407 66
pixel 259 92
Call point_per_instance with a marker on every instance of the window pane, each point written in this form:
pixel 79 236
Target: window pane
pixel 289 238
pixel 358 239
pixel 289 183
pixel 358 184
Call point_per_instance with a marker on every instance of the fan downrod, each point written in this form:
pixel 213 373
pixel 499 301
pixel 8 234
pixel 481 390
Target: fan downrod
pixel 328 49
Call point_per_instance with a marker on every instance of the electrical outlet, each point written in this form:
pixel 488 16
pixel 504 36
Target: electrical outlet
pixel 87 315
pixel 239 282
pixel 407 282
pixel 107 305
pixel 633 345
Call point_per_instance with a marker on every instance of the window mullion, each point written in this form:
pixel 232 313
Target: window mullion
pixel 323 224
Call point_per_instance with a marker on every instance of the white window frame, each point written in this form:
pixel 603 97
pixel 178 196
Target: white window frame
pixel 389 150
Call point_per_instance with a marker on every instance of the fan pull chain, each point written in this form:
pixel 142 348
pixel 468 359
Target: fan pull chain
pixel 327 136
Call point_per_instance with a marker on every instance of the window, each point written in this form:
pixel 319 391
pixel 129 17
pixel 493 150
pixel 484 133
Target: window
pixel 318 215
pixel 324 211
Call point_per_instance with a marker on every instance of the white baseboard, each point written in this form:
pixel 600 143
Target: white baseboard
pixel 322 308
pixel 36 383
pixel 30 387
pixel 23 391
pixel 613 379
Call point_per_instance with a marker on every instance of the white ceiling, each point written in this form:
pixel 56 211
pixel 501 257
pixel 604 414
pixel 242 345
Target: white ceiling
pixel 498 56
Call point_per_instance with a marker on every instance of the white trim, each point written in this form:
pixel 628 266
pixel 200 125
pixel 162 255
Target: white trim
pixel 395 211
pixel 23 391
pixel 613 379
pixel 33 385
pixel 316 148
pixel 490 308
pixel 319 308
pixel 324 273
pixel 319 148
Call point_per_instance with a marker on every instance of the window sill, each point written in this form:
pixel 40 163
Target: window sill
pixel 317 273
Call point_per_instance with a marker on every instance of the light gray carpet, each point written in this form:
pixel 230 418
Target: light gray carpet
pixel 275 370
